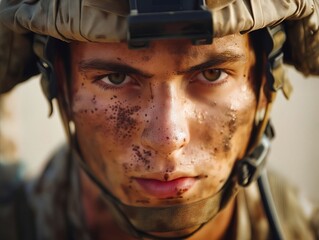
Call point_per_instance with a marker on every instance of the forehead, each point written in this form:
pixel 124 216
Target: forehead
pixel 182 51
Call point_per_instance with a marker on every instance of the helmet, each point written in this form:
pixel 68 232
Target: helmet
pixel 30 26
pixel 65 20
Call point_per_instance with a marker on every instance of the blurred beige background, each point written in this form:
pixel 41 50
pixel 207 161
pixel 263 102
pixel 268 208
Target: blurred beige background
pixel 295 150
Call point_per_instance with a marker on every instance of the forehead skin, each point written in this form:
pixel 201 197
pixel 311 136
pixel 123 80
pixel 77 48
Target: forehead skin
pixel 164 123
pixel 183 52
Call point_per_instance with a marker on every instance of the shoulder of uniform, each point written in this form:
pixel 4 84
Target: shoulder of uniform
pixel 296 212
pixel 10 180
pixel 10 191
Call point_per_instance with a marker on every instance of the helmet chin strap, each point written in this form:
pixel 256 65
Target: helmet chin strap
pixel 143 222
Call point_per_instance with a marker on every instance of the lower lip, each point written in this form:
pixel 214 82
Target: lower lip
pixel 166 189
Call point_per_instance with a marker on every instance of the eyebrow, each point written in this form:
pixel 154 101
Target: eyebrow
pixel 99 64
pixel 213 60
pixel 216 60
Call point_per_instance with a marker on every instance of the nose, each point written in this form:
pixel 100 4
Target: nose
pixel 167 130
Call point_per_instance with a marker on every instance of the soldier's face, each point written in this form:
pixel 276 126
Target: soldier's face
pixel 163 125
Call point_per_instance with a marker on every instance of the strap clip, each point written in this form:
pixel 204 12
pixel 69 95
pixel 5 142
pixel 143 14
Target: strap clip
pixel 250 167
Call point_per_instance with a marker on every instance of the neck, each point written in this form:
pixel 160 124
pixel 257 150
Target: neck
pixel 101 224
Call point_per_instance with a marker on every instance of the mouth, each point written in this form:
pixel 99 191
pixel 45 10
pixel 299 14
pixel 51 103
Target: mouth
pixel 166 189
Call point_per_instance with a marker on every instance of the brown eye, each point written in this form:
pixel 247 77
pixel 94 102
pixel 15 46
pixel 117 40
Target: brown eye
pixel 117 78
pixel 212 75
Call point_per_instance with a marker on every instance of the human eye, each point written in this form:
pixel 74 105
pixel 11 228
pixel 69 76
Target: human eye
pixel 212 76
pixel 112 80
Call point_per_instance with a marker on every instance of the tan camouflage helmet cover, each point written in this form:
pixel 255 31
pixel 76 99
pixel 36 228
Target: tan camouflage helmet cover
pixel 105 21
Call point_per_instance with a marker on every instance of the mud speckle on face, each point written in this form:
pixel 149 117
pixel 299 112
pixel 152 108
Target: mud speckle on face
pixel 126 188
pixel 169 170
pixel 113 97
pixel 181 191
pixel 166 176
pixel 231 125
pixel 227 143
pixel 216 150
pixel 125 123
pixel 124 118
pixel 93 100
pixel 142 155
pixel 126 167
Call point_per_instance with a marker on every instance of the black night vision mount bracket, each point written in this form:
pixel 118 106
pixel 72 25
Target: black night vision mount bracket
pixel 169 19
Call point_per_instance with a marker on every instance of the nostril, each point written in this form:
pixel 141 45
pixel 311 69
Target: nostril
pixel 163 141
pixel 165 133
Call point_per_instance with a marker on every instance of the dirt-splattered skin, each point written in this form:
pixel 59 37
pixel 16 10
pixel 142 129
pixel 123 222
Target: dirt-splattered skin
pixel 164 120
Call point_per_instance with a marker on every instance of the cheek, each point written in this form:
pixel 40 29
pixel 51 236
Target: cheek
pixel 237 122
pixel 106 127
pixel 223 138
pixel 109 118
pixel 223 131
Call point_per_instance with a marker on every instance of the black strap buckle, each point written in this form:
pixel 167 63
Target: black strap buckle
pixel 169 19
pixel 250 167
